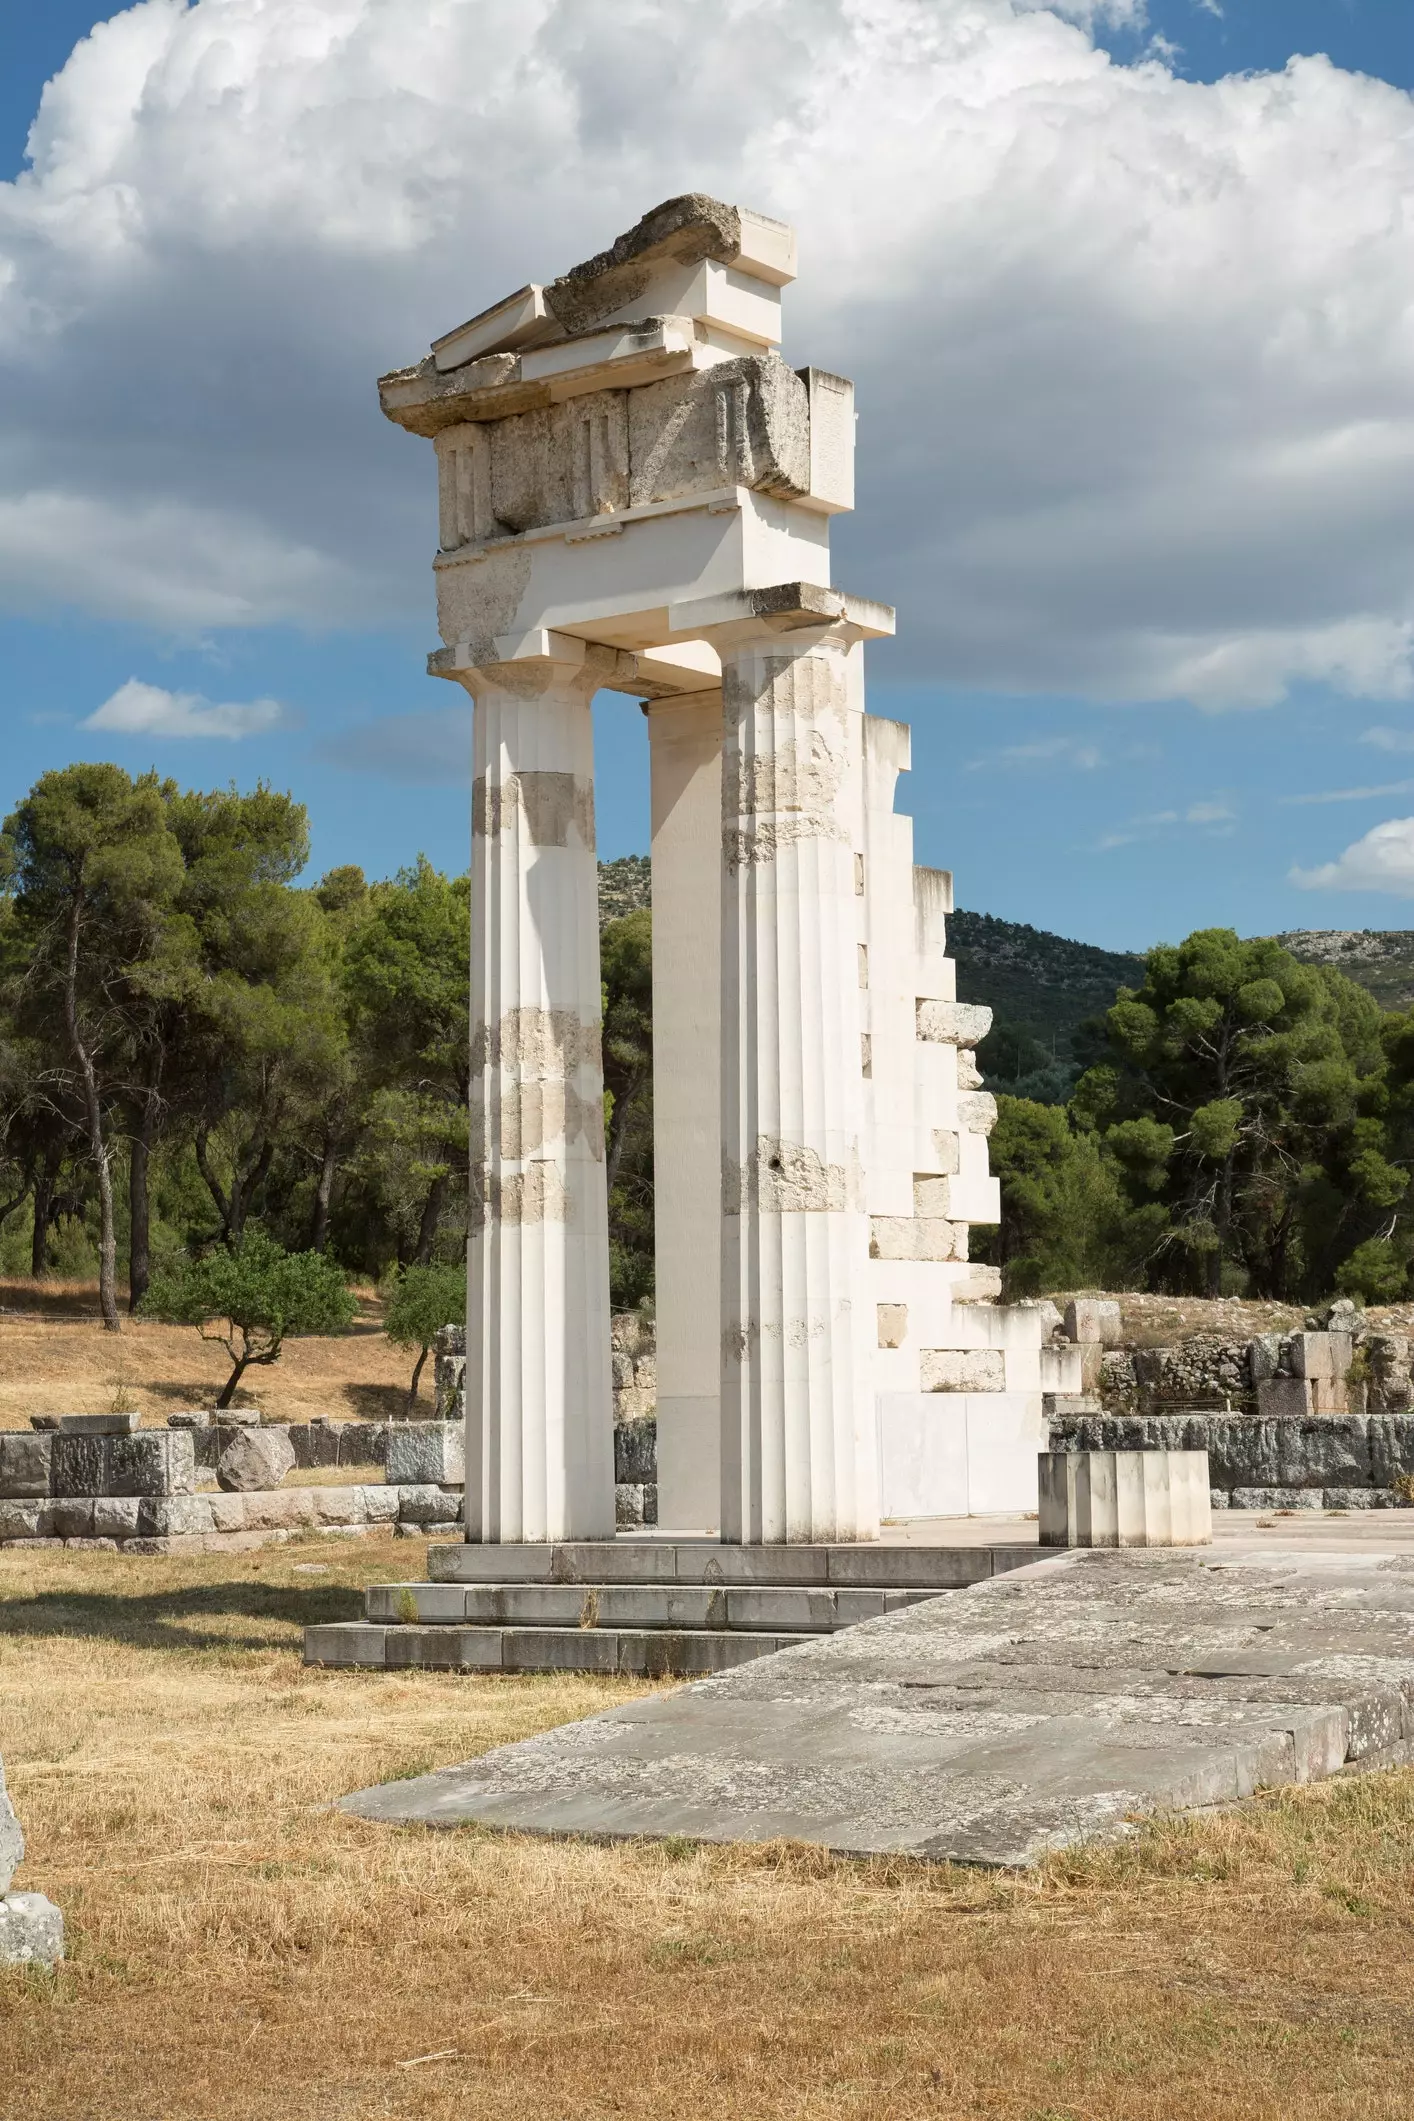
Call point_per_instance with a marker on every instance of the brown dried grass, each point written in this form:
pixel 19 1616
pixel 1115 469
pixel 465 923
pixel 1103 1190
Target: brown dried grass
pixel 55 1358
pixel 241 1951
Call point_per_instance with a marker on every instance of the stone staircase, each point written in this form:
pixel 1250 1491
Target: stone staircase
pixel 645 1607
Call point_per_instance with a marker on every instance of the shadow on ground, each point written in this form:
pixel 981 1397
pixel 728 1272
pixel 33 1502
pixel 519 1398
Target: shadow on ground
pixel 172 1620
pixel 383 1403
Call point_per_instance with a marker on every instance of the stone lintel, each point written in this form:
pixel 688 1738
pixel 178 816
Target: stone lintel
pixel 782 607
pixel 649 674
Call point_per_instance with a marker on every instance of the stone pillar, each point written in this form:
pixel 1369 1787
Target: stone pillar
pixel 799 1454
pixel 685 748
pixel 539 1412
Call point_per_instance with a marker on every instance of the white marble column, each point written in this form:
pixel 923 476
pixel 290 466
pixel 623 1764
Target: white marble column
pixel 799 1455
pixel 539 1411
pixel 685 749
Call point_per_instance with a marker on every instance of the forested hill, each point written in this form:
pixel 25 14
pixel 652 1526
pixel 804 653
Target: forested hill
pixel 1041 989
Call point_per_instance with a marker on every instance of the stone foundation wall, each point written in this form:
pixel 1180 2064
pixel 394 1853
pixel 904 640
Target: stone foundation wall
pixel 1337 1462
pixel 160 1524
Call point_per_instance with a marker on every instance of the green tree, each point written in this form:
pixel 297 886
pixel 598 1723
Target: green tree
pixel 626 958
pixel 253 1296
pixel 421 1301
pixel 1245 1099
pixel 406 975
pixel 92 870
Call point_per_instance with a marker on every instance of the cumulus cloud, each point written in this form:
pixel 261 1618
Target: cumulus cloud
pixel 136 709
pixel 1382 861
pixel 1133 353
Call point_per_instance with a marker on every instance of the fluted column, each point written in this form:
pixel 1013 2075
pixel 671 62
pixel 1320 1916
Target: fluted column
pixel 539 1411
pixel 798 1443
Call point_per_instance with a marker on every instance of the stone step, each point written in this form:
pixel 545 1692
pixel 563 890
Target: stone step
pixel 864 1566
pixel 646 1653
pixel 746 1608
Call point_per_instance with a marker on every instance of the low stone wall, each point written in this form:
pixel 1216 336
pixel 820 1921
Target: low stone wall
pixel 162 1524
pixel 1333 1462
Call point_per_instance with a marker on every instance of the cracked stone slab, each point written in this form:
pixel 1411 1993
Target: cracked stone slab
pixel 1048 1706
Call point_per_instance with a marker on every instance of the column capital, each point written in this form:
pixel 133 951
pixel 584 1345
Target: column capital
pixel 780 610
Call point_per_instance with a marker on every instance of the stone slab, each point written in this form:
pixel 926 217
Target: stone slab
pixel 1045 1706
pixel 872 1565
pixel 647 1653
pixel 753 1608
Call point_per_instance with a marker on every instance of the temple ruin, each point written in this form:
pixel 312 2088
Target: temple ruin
pixel 635 494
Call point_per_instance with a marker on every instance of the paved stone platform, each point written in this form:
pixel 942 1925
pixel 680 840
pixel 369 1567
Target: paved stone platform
pixel 1036 1708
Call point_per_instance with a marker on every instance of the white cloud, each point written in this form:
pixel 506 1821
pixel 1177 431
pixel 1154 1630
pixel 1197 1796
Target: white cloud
pixel 147 710
pixel 1216 817
pixel 1133 353
pixel 1050 750
pixel 1351 795
pixel 1389 739
pixel 1382 861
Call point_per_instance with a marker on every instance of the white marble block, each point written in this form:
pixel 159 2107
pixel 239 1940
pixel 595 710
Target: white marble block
pixel 1125 1499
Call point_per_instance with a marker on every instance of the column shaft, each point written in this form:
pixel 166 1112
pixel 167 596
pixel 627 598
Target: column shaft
pixel 685 747
pixel 798 1442
pixel 540 1440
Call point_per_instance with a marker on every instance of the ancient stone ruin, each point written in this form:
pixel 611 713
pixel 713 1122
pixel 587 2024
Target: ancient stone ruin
pixel 636 493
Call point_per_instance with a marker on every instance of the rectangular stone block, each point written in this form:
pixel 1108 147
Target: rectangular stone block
pixel 116 1516
pixel 962 1370
pixel 426 1452
pixel 149 1462
pixel 98 1424
pixel 19 1520
pixel 953 1023
pixel 1094 1319
pixel 69 1518
pixel 635 1451
pixel 1285 1399
pixel 916 1237
pixel 1124 1498
pixel 174 1516
pixel 1319 1354
pixel 25 1463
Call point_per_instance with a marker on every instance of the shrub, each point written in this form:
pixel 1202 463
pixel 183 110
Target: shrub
pixel 260 1294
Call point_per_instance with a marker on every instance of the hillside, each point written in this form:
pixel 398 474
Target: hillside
pixel 1378 959
pixel 1041 989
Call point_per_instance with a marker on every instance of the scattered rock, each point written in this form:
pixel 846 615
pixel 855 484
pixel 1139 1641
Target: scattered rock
pixel 256 1458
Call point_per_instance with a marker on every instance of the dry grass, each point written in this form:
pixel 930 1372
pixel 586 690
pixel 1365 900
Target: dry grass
pixel 240 1951
pixel 55 1358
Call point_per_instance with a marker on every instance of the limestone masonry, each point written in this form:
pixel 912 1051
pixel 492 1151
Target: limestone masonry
pixel 636 493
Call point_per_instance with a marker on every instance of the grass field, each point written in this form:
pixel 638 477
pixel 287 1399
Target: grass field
pixel 242 1953
pixel 55 1358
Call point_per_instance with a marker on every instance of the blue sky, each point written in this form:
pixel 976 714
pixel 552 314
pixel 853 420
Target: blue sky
pixel 1069 774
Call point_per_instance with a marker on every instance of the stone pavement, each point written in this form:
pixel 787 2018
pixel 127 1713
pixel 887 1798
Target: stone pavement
pixel 1038 1708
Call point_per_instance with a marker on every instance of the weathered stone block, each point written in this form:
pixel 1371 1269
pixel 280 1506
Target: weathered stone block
pixel 1124 1499
pixel 1320 1354
pixel 255 1460
pixel 25 1463
pixel 421 1452
pixel 339 1506
pixel 70 1517
pixel 425 1503
pixel 278 1509
pixel 20 1520
pixel 148 1462
pixel 98 1424
pixel 153 1462
pixel 962 1370
pixel 916 1237
pixel 620 1369
pixel 636 1451
pixel 977 1112
pixel 31 1930
pixel 1263 1357
pixel 227 1513
pixel 1285 1398
pixel 1094 1319
pixel 116 1516
pixel 173 1516
pixel 953 1023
